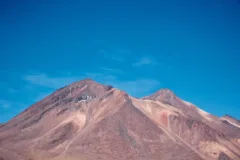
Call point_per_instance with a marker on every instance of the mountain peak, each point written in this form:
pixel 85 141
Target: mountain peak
pixel 83 89
pixel 165 92
pixel 231 118
pixel 92 118
pixel 169 97
pixel 88 86
pixel 86 80
pixel 162 95
pixel 228 116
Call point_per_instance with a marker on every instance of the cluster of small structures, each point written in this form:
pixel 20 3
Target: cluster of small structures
pixel 85 98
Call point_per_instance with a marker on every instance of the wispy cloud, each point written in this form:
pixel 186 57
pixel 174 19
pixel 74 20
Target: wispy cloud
pixel 37 85
pixel 7 89
pixel 5 104
pixel 112 70
pixel 112 55
pixel 45 80
pixel 12 90
pixel 11 105
pixel 139 87
pixel 9 109
pixel 41 96
pixel 122 51
pixel 145 61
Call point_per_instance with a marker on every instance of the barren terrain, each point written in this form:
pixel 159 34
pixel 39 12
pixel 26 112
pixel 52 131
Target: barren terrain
pixel 89 121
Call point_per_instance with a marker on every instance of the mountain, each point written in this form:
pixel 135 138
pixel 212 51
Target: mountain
pixel 230 119
pixel 89 121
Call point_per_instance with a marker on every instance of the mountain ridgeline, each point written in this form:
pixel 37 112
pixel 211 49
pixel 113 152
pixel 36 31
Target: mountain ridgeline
pixel 89 121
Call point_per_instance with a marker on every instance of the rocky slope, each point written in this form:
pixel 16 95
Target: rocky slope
pixel 229 119
pixel 89 121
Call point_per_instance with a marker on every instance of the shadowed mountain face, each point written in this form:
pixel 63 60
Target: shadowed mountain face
pixel 89 121
pixel 229 119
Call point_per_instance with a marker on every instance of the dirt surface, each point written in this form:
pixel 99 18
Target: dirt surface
pixel 89 121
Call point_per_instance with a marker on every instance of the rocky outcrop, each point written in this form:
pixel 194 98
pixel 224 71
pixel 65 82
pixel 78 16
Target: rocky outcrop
pixel 93 121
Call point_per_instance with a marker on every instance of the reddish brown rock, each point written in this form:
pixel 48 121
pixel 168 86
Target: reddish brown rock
pixel 89 121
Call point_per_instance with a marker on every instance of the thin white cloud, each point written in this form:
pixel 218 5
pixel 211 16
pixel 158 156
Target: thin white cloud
pixel 113 56
pixel 145 61
pixel 123 51
pixel 112 70
pixel 12 90
pixel 45 80
pixel 8 89
pixel 139 87
pixel 116 58
pixel 5 104
pixel 42 95
pixel 93 75
pixel 104 52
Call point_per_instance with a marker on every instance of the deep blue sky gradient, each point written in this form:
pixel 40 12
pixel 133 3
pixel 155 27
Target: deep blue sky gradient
pixel 191 47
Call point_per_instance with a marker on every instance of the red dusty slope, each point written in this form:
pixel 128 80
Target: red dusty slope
pixel 89 121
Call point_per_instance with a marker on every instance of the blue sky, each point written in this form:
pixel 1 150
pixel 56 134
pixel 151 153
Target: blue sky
pixel 191 47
